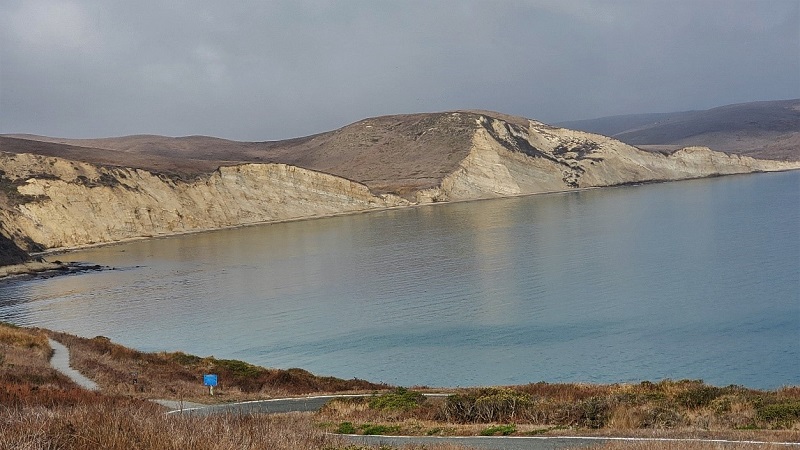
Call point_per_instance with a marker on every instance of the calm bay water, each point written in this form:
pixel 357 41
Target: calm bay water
pixel 696 279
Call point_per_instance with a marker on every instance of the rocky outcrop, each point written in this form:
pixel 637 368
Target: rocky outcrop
pixel 10 253
pixel 49 202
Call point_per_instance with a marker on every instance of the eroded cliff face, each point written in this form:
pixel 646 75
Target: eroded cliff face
pixel 63 203
pixel 509 159
pixel 48 202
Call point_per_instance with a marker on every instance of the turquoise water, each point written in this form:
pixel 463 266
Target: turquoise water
pixel 695 279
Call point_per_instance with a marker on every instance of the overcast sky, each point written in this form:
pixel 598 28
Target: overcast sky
pixel 264 70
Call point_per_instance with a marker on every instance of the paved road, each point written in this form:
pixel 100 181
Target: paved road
pixel 487 443
pixel 279 405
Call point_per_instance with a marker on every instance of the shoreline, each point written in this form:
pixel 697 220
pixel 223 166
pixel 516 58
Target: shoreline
pixel 65 250
pixel 43 269
pixel 38 267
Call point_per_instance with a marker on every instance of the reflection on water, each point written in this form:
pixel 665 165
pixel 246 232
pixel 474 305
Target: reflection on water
pixel 695 279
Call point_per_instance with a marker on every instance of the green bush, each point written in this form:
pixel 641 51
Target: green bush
pixel 239 368
pixel 780 414
pixel 346 428
pixel 400 400
pixel 499 430
pixel 185 359
pixel 486 405
pixel 594 412
pixel 698 396
pixel 501 405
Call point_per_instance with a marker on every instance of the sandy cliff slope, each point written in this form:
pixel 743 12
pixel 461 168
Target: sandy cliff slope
pixel 766 129
pixel 61 193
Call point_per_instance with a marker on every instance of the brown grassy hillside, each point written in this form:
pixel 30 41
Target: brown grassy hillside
pixel 396 154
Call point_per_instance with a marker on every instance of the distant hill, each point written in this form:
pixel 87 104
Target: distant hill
pixel 769 130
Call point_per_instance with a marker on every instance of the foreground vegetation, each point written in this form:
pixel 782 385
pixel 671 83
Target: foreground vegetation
pixel 686 408
pixel 42 409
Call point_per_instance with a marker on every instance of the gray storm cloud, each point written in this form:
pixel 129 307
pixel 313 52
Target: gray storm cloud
pixel 273 70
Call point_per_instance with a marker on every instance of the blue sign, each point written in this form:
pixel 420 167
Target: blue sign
pixel 210 380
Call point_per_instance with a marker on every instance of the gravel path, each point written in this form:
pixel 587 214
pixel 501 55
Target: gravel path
pixel 60 362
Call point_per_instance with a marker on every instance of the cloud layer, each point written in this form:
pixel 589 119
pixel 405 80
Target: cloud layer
pixel 273 70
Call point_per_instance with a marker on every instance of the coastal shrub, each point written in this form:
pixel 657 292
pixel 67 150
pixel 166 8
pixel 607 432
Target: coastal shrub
pixel 698 396
pixel 184 359
pixel 346 428
pixel 370 429
pixel 485 405
pixel 660 417
pixel 238 368
pixel 499 430
pixel 401 399
pixel 782 415
pixel 501 405
pixel 594 412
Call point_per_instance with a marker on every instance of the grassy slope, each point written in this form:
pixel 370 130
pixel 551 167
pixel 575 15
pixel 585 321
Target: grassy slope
pixel 40 408
pixel 179 375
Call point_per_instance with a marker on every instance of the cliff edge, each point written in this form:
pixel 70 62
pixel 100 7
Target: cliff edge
pixel 58 193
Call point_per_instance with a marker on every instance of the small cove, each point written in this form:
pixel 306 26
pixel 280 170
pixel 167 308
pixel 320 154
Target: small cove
pixel 695 279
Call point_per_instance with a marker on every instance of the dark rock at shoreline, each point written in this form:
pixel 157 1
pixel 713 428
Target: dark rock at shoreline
pixel 10 253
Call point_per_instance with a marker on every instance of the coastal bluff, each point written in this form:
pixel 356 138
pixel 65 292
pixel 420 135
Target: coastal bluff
pixel 59 193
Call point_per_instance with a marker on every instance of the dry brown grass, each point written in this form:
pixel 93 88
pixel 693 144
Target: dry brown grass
pixel 25 362
pixel 23 337
pixel 42 409
pixel 118 423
